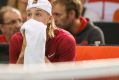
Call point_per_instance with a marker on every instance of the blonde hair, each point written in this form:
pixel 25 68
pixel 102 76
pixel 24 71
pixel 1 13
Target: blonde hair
pixel 7 9
pixel 50 29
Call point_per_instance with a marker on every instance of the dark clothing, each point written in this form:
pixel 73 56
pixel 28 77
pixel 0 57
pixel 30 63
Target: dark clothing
pixel 89 35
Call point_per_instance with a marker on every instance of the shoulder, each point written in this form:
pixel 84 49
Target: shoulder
pixel 95 31
pixel 64 35
pixel 94 28
pixel 2 38
pixel 17 36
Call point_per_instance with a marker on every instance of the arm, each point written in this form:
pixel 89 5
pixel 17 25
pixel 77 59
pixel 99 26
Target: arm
pixel 21 56
pixel 96 35
pixel 15 47
pixel 47 60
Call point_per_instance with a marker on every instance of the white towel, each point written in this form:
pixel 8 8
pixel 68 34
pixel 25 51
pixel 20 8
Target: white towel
pixel 35 33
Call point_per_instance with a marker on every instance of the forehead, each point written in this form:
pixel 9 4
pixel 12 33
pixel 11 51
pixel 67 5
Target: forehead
pixel 11 14
pixel 59 7
pixel 8 16
pixel 34 9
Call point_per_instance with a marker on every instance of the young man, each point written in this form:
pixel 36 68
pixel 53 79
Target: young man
pixel 10 23
pixel 67 16
pixel 57 47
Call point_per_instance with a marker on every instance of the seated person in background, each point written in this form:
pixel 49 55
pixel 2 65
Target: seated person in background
pixel 60 44
pixel 67 16
pixel 10 23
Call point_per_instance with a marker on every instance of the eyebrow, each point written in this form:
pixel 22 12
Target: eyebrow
pixel 28 10
pixel 36 10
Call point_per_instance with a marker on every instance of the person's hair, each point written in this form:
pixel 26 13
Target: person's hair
pixel 50 29
pixel 70 5
pixel 7 9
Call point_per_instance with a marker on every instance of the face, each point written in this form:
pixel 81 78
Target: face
pixel 62 19
pixel 12 22
pixel 38 14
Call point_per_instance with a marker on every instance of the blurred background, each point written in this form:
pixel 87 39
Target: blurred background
pixel 103 13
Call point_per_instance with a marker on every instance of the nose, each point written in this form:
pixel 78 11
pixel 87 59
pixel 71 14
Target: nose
pixel 32 17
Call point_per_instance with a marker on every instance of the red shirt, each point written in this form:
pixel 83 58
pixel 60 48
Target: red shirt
pixel 2 39
pixel 61 48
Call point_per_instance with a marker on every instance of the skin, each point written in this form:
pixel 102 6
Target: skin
pixel 12 24
pixel 61 18
pixel 39 15
pixel 65 20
